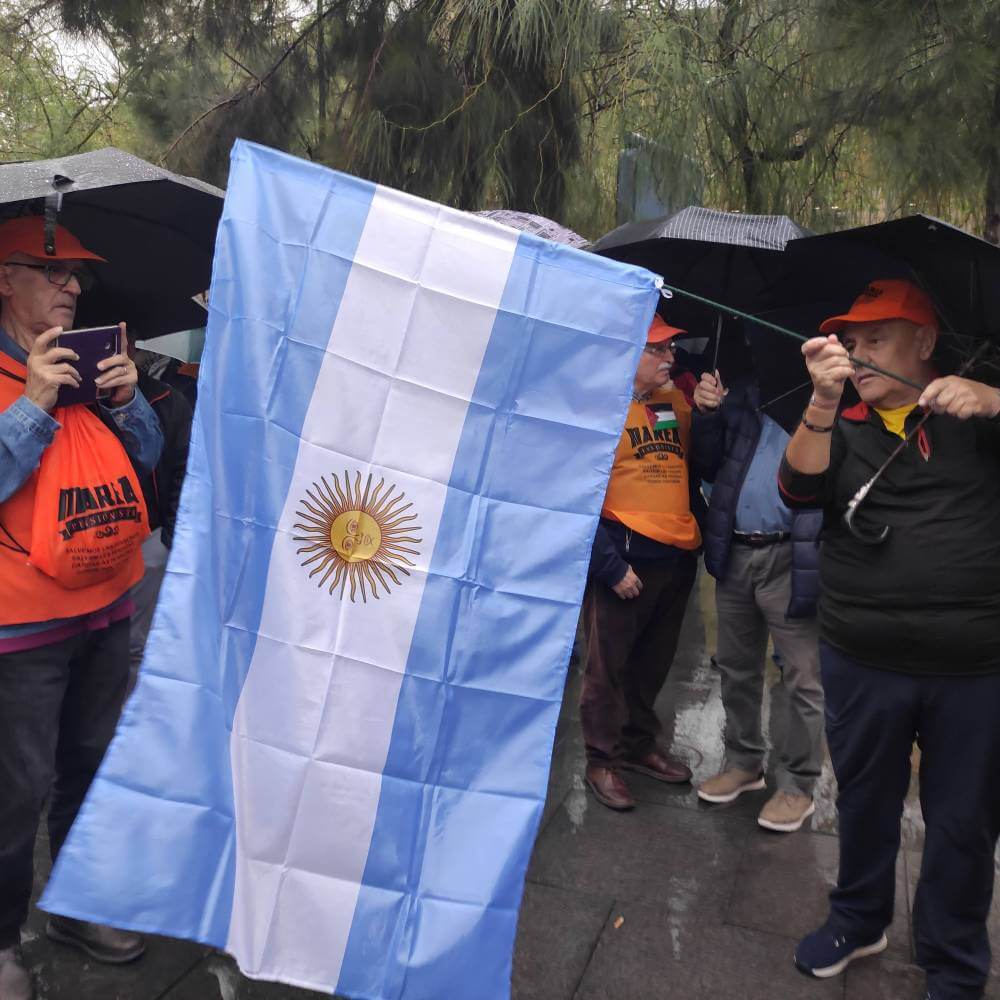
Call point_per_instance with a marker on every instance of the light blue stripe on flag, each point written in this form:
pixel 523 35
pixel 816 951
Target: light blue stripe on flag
pixel 472 743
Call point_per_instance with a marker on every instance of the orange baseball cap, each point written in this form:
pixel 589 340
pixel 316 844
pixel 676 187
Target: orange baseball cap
pixel 884 300
pixel 660 330
pixel 26 234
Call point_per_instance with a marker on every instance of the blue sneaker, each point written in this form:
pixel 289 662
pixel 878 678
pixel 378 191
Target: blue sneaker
pixel 829 950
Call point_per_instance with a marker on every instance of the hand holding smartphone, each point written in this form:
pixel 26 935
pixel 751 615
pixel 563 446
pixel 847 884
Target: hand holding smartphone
pixel 92 344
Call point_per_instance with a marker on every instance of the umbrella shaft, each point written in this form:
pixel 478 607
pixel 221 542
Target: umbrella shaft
pixel 871 366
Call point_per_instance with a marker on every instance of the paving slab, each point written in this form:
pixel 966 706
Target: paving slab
pixel 654 853
pixel 659 953
pixel 556 935
pixel 566 774
pixel 882 978
pixel 783 884
pixel 217 978
pixel 63 973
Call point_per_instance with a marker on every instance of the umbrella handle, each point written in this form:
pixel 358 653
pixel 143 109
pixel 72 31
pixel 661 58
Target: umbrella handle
pixel 875 538
pixel 53 204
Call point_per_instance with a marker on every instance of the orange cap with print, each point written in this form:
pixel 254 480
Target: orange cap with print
pixel 26 234
pixel 660 330
pixel 884 300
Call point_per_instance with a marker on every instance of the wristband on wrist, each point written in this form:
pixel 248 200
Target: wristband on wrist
pixel 813 401
pixel 817 428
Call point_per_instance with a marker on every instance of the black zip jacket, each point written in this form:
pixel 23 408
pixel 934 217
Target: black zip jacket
pixel 162 487
pixel 927 600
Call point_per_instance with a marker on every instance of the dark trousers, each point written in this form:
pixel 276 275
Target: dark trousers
pixel 59 705
pixel 630 647
pixel 872 719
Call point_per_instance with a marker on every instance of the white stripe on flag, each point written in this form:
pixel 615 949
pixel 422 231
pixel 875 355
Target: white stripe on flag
pixel 315 717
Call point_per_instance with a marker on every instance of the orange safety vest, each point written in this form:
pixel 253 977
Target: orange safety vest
pixel 26 593
pixel 648 489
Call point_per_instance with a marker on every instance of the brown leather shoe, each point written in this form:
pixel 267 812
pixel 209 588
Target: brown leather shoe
pixel 663 767
pixel 609 787
pixel 15 980
pixel 103 944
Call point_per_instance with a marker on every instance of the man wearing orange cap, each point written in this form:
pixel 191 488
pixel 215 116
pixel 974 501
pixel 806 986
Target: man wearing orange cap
pixel 910 632
pixel 641 571
pixel 63 652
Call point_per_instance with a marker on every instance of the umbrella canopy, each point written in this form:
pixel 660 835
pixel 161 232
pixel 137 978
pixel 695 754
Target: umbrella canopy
pixel 156 229
pixel 733 259
pixel 537 225
pixel 959 271
pixel 724 256
pixel 706 225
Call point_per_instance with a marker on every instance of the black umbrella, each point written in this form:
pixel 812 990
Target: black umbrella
pixel 959 271
pixel 729 258
pixel 156 229
pixel 725 256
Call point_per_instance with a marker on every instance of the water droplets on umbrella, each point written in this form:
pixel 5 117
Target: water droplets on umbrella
pixel 537 225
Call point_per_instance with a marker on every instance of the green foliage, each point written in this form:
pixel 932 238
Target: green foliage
pixel 833 111
pixel 475 102
pixel 922 82
pixel 51 103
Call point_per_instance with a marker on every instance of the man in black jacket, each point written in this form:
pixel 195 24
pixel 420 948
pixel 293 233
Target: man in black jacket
pixel 763 557
pixel 162 491
pixel 910 632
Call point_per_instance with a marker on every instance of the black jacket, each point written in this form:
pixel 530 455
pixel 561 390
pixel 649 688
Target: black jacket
pixel 162 487
pixel 732 433
pixel 927 600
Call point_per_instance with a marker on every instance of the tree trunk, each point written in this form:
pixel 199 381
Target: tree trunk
pixel 991 222
pixel 320 74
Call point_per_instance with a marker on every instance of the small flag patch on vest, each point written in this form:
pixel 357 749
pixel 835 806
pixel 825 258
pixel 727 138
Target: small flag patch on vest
pixel 664 417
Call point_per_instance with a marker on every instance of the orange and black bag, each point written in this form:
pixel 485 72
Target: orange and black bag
pixel 89 516
pixel 53 564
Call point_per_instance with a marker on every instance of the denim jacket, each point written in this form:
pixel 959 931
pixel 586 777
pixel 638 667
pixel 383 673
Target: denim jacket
pixel 26 431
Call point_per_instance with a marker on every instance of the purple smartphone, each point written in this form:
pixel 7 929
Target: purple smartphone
pixel 93 344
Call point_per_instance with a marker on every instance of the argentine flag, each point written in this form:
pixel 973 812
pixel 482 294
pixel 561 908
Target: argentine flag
pixel 335 762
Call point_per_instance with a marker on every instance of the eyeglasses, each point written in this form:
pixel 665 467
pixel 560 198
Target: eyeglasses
pixel 59 274
pixel 659 350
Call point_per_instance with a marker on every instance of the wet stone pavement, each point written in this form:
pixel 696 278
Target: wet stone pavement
pixel 673 901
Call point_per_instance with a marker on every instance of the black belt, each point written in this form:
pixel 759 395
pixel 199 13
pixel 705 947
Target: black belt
pixel 758 539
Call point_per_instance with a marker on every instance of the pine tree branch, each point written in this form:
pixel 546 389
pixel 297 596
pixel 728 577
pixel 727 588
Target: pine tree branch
pixel 236 62
pixel 259 82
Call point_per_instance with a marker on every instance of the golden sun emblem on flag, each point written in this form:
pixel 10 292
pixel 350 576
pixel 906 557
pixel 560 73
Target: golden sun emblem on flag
pixel 355 537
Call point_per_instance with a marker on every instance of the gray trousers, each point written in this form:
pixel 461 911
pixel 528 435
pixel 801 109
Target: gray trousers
pixel 751 602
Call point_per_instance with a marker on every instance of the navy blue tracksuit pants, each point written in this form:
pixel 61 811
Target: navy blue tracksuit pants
pixel 872 718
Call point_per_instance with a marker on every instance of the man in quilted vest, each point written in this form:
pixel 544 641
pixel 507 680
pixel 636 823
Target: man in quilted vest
pixel 763 557
pixel 64 653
